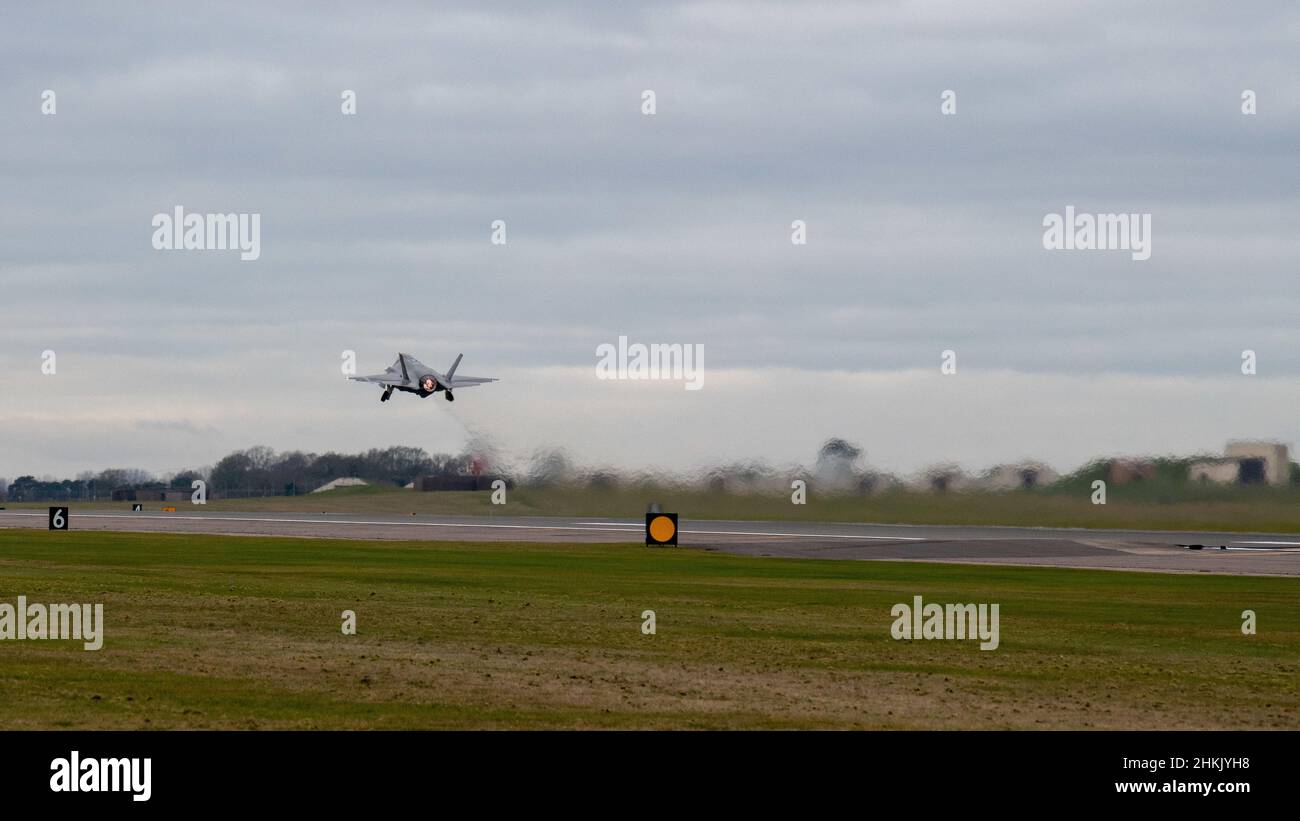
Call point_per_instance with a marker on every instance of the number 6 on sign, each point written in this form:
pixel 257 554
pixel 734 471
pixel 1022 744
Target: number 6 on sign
pixel 58 518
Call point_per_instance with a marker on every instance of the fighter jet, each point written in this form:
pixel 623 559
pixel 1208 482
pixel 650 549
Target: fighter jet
pixel 413 376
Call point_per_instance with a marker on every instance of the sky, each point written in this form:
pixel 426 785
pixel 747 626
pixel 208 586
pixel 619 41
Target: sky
pixel 924 230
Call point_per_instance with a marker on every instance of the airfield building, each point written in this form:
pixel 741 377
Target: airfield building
pixel 127 494
pixel 1021 476
pixel 1246 463
pixel 1127 471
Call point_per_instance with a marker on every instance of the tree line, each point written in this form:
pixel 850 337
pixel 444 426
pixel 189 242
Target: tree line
pixel 254 471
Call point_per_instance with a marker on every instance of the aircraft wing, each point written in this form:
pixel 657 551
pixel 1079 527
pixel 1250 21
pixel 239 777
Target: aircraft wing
pixel 386 378
pixel 468 381
pixel 451 381
pixel 396 374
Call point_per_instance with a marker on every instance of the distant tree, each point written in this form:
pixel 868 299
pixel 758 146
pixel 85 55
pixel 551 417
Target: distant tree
pixel 18 489
pixel 232 472
pixel 291 469
pixel 256 470
pixel 260 456
pixel 399 464
pixel 111 478
pixel 138 478
pixel 31 489
pixel 185 479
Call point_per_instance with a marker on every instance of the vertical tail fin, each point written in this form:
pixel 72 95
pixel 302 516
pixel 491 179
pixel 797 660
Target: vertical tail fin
pixel 451 373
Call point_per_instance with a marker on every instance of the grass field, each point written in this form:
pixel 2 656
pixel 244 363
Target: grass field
pixel 1147 507
pixel 244 632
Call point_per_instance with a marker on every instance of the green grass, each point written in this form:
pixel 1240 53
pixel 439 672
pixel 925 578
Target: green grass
pixel 1150 506
pixel 221 632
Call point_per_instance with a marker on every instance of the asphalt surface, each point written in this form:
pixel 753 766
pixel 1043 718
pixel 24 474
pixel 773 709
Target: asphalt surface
pixel 1242 553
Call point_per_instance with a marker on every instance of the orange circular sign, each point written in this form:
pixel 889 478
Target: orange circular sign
pixel 662 529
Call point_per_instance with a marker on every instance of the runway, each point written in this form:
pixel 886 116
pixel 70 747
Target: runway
pixel 1242 553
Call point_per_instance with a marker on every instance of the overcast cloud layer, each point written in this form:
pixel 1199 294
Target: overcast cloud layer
pixel 924 230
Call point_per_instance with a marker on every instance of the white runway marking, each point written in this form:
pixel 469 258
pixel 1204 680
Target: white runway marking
pixel 807 535
pixel 463 524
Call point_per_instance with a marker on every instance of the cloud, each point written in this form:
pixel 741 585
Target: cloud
pixel 924 230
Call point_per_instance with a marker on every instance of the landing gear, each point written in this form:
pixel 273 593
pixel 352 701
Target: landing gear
pixel 450 398
pixel 388 393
